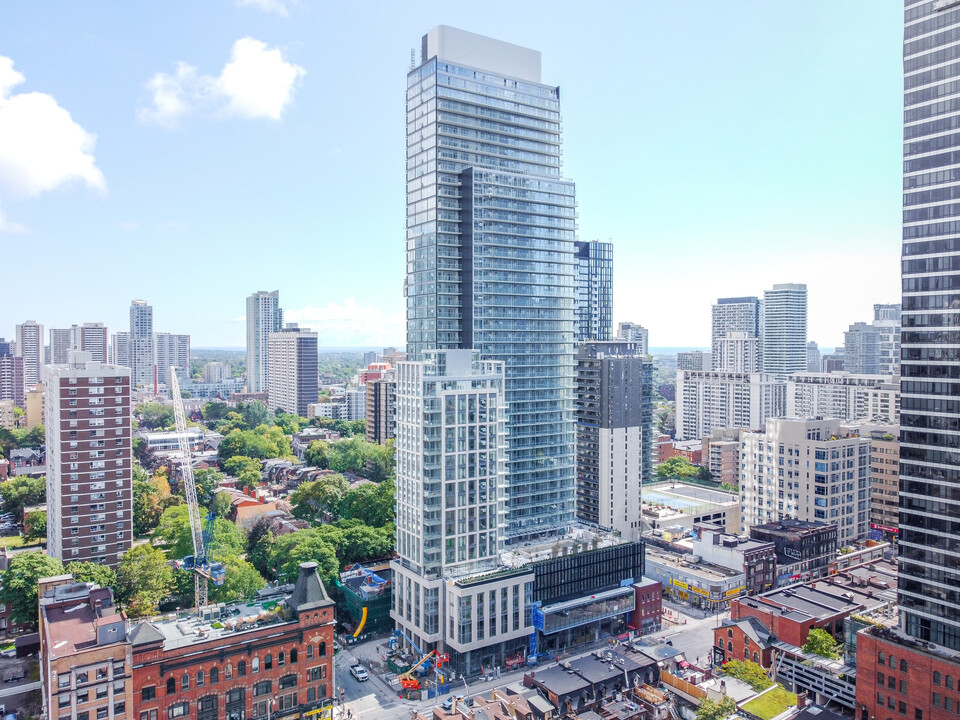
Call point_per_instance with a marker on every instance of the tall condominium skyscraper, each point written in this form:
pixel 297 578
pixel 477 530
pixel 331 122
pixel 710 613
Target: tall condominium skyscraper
pixel 30 348
pixel 736 315
pixel 886 321
pixel 930 373
pixel 264 316
pixel 614 434
pixel 594 305
pixel 490 249
pixel 172 350
pixel 450 504
pixel 89 460
pixel 813 357
pixel 293 382
pixel 631 332
pixel 12 386
pixel 93 339
pixel 785 330
pixel 140 349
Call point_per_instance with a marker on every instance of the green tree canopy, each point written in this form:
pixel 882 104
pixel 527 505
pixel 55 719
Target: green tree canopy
pixel 154 415
pixel 241 582
pixel 215 410
pixel 288 551
pixel 238 463
pixel 316 454
pixel 20 491
pixel 37 527
pixel 262 442
pixel 713 710
pixel 221 504
pixel 207 480
pixel 289 424
pixel 820 642
pixel 679 467
pixel 93 572
pixel 174 530
pixel 143 579
pixel 321 495
pixel 373 504
pixel 19 584
pixel 255 413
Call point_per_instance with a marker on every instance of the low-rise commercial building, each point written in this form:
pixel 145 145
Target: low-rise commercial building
pixel 755 558
pixel 686 579
pixel 674 507
pixel 804 548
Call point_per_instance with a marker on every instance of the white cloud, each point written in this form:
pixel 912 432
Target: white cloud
pixel 257 82
pixel 8 226
pixel 350 324
pixel 41 147
pixel 274 6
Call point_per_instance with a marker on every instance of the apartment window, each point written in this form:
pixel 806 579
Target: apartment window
pixel 148 693
pixel 148 715
pixel 179 710
pixel 317 673
pixel 255 665
pixel 200 678
pixel 262 688
pixel 171 686
pixel 309 652
pixel 288 681
pixel 185 682
pixel 268 662
pixel 214 676
pixel 241 668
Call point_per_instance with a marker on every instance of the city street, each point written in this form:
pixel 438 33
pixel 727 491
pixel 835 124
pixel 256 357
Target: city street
pixel 374 700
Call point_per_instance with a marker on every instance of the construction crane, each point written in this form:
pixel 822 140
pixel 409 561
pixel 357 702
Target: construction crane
pixel 203 570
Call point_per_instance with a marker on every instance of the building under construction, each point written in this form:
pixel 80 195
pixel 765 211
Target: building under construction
pixel 367 591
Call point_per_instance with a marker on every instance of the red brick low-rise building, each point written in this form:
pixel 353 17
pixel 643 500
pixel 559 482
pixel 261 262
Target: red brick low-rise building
pixel 897 678
pixel 746 639
pixel 272 657
pixel 648 609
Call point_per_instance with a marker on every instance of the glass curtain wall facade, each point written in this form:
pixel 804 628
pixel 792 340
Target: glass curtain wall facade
pixel 930 341
pixel 490 253
pixel 594 306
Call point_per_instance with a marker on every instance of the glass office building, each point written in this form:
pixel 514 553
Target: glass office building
pixel 490 250
pixel 594 305
pixel 930 342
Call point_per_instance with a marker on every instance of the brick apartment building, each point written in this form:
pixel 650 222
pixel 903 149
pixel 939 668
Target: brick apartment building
pixel 89 460
pixel 899 677
pixel 86 661
pixel 270 657
pixel 261 662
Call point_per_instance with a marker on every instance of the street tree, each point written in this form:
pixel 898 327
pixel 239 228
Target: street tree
pixel 18 584
pixel 820 642
pixel 102 575
pixel 143 579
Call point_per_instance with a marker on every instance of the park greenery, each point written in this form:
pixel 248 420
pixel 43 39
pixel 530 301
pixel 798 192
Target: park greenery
pixel 21 491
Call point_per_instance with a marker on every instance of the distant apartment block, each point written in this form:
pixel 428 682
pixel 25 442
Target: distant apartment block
pixel 34 405
pixel 721 455
pixel 813 357
pixel 832 363
pixel 736 315
pixel 264 316
pixel 30 347
pixel 293 383
pixel 7 415
pixel 12 386
pixel 738 352
pixel 381 407
pixel 216 372
pixel 140 350
pixel 785 330
pixel 593 306
pixel 614 408
pixel 860 350
pixel 120 349
pixel 93 339
pixel 172 350
pixel 884 479
pixel 693 360
pixel 826 475
pixel 709 400
pixel 632 332
pixel 844 396
pixel 89 461
pixel 62 341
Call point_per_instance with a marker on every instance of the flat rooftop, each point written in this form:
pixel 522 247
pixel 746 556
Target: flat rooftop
pixel 688 498
pixel 235 618
pixel 710 572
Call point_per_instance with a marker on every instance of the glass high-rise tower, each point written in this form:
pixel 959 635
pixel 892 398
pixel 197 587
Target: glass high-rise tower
pixel 929 540
pixel 490 250
pixel 594 305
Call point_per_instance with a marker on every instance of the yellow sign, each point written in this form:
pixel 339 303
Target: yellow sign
pixel 327 712
pixel 735 591
pixel 678 583
pixel 698 591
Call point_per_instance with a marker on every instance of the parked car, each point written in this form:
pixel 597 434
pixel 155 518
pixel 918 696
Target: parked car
pixel 359 672
pixel 448 703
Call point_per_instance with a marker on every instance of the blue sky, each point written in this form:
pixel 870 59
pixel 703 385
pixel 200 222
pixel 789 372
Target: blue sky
pixel 189 153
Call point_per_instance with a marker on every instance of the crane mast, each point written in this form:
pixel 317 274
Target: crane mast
pixel 190 491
